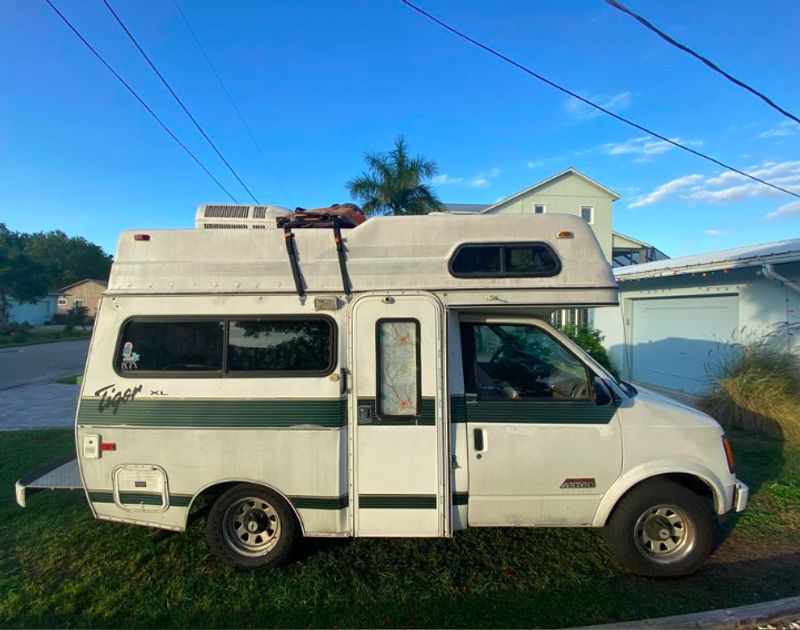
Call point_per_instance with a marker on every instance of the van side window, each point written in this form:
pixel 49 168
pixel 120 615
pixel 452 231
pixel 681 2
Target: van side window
pixel 281 345
pixel 522 362
pixel 505 260
pixel 398 368
pixel 149 346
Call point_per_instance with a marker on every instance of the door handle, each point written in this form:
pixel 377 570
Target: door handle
pixel 477 437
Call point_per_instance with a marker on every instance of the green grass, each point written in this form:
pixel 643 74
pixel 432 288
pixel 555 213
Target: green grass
pixel 77 379
pixel 59 567
pixel 38 336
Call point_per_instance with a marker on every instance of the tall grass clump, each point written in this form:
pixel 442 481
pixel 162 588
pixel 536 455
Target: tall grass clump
pixel 756 387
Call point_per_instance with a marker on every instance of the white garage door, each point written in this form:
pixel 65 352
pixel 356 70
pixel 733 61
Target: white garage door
pixel 674 339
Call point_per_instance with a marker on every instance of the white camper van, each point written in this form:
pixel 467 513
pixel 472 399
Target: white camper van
pixel 405 383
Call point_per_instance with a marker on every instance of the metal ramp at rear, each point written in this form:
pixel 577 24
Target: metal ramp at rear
pixel 62 474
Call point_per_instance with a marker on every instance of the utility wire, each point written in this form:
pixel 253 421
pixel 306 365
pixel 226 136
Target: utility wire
pixel 233 104
pixel 179 101
pixel 560 88
pixel 699 57
pixel 139 98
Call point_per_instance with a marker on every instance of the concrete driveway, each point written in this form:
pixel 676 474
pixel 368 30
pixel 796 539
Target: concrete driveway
pixel 28 396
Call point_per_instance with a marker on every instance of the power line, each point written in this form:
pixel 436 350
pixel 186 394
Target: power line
pixel 699 57
pixel 560 88
pixel 179 101
pixel 139 98
pixel 233 104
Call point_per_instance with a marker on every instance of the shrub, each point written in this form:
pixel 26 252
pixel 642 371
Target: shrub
pixel 591 340
pixel 15 329
pixel 756 387
pixel 76 316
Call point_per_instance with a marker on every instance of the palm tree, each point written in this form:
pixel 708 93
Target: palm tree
pixel 393 183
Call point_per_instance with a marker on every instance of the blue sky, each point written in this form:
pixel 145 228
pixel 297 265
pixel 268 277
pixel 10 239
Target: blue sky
pixel 322 82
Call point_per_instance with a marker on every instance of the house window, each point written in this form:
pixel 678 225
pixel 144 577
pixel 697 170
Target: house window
pixel 398 374
pixel 587 214
pixel 62 301
pixel 79 302
pixel 539 208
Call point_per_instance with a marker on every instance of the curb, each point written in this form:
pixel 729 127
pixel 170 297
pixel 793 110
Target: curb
pixel 724 618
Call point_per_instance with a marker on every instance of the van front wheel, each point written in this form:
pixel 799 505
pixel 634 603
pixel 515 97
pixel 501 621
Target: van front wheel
pixel 661 529
pixel 251 527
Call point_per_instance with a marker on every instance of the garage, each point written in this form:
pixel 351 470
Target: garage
pixel 673 339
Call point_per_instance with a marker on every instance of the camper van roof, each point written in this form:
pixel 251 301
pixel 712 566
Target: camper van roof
pixel 383 254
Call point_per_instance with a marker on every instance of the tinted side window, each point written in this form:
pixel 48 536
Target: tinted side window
pixel 533 260
pixel 500 260
pixel 520 362
pixel 171 347
pixel 477 260
pixel 280 345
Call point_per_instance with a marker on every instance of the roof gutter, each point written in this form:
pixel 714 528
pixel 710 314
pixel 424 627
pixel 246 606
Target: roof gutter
pixel 768 269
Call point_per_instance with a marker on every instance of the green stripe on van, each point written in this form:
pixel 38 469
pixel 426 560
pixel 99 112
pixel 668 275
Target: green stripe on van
pixel 137 498
pixel 426 416
pixel 327 412
pixel 458 409
pixel 393 501
pixel 320 503
pixel 539 412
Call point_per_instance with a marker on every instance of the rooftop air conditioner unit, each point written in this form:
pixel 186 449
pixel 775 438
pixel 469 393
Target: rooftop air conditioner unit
pixel 230 216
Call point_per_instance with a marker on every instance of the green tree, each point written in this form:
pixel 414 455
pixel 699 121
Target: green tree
pixel 22 278
pixel 394 183
pixel 67 259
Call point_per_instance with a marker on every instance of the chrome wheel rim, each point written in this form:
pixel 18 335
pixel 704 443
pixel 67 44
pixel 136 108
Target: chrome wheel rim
pixel 665 534
pixel 251 526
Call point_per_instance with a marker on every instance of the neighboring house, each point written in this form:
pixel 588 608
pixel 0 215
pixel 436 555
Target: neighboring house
pixel 36 313
pixel 84 293
pixel 677 317
pixel 572 192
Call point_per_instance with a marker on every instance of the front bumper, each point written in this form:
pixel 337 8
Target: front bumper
pixel 740 495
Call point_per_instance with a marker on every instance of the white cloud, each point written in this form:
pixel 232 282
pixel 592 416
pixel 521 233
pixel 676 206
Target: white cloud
pixel 480 180
pixel 537 163
pixel 728 186
pixel 784 130
pixel 644 147
pixel 787 210
pixel 713 232
pixel 665 190
pixel 444 178
pixel 580 111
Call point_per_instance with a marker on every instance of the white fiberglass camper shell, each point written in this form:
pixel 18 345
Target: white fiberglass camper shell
pixel 406 385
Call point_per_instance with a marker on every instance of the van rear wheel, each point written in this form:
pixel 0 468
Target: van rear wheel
pixel 661 529
pixel 251 527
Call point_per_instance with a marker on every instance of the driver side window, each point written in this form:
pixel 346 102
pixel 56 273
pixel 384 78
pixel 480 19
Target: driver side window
pixel 520 362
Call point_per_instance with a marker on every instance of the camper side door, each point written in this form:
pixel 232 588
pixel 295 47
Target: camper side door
pixel 542 451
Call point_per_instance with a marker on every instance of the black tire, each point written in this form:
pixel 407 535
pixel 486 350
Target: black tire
pixel 251 527
pixel 661 529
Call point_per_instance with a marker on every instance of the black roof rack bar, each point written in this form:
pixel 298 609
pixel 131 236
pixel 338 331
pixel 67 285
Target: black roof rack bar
pixel 292 251
pixel 337 235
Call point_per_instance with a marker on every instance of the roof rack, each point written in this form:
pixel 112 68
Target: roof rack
pixel 336 217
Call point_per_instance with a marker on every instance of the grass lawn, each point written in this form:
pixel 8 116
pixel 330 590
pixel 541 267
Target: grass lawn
pixel 59 568
pixel 41 336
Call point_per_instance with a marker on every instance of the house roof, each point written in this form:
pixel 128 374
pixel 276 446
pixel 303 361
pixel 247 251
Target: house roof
pixel 752 255
pixel 465 208
pixel 568 171
pixel 75 284
pixel 623 240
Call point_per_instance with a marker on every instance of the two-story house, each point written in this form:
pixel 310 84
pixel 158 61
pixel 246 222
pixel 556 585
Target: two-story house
pixel 572 192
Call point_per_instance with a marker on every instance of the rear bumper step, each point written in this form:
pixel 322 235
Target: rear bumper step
pixel 62 474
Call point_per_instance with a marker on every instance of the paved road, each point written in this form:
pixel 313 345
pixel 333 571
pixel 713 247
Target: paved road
pixel 43 363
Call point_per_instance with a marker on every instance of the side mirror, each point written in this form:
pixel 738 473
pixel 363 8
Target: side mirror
pixel 602 395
